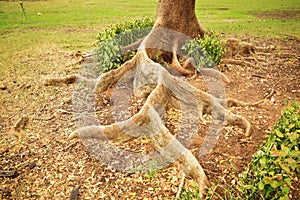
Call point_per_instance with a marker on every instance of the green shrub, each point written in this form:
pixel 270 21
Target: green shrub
pixel 110 41
pixel 206 51
pixel 275 166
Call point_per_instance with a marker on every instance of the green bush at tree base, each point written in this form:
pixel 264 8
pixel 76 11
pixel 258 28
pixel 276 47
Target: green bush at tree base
pixel 206 51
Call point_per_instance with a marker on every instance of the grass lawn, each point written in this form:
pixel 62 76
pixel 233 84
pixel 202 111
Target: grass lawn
pixel 74 24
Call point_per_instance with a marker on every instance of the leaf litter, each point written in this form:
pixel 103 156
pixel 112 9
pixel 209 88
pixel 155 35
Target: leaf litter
pixel 38 162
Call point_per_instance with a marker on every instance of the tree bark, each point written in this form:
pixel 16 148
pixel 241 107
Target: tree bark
pixel 179 15
pixel 176 22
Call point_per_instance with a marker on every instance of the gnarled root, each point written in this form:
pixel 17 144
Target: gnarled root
pixel 58 80
pixel 108 79
pixel 206 72
pixel 163 91
pixel 176 65
pixel 147 122
pixel 237 62
pixel 214 73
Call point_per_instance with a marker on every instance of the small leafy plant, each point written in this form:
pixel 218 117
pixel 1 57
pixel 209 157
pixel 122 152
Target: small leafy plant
pixel 206 51
pixel 190 194
pixel 110 41
pixel 273 170
pixel 275 166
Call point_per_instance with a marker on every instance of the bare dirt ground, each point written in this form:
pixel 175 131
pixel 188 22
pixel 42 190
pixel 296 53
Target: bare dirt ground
pixel 48 166
pixel 279 14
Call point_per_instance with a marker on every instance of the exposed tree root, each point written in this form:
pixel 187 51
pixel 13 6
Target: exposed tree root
pixel 58 80
pixel 74 193
pixel 176 65
pixel 209 72
pixel 82 56
pixel 163 91
pixel 133 46
pixel 237 62
pixel 239 53
pixel 236 48
pixel 78 62
pixel 230 102
pixel 148 121
pixel 180 186
pixel 112 77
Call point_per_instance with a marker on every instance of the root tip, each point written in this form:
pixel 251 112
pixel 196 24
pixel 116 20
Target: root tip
pixel 73 135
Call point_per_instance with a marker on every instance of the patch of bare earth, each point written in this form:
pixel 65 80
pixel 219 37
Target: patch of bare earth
pixel 48 166
pixel 275 70
pixel 279 14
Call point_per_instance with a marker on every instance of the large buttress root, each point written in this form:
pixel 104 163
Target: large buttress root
pixel 161 88
pixel 110 78
pixel 164 142
pixel 176 65
pixel 162 92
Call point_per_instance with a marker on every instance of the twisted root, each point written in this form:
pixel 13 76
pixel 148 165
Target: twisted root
pixel 161 88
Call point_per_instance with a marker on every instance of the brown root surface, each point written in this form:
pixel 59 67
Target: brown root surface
pixel 154 83
pixel 162 92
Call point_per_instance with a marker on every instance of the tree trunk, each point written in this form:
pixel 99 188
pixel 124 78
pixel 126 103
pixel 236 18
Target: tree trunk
pixel 176 22
pixel 179 15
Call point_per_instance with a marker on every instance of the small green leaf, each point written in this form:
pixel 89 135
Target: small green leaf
pixel 291 126
pixel 285 190
pixel 288 181
pixel 278 133
pixel 263 162
pixel 284 197
pixel 284 167
pixel 284 150
pixel 275 184
pixel 261 185
pixel 267 180
pixel 272 173
pixel 295 153
pixel 294 136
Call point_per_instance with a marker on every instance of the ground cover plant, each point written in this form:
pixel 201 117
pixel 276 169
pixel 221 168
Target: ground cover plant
pixel 273 172
pixel 47 44
pixel 110 41
pixel 206 52
pixel 274 169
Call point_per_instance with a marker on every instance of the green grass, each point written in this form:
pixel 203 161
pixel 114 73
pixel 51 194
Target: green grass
pixel 74 24
pixel 57 13
pixel 68 24
pixel 238 17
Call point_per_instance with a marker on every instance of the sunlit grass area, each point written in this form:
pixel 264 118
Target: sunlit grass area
pixel 74 24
